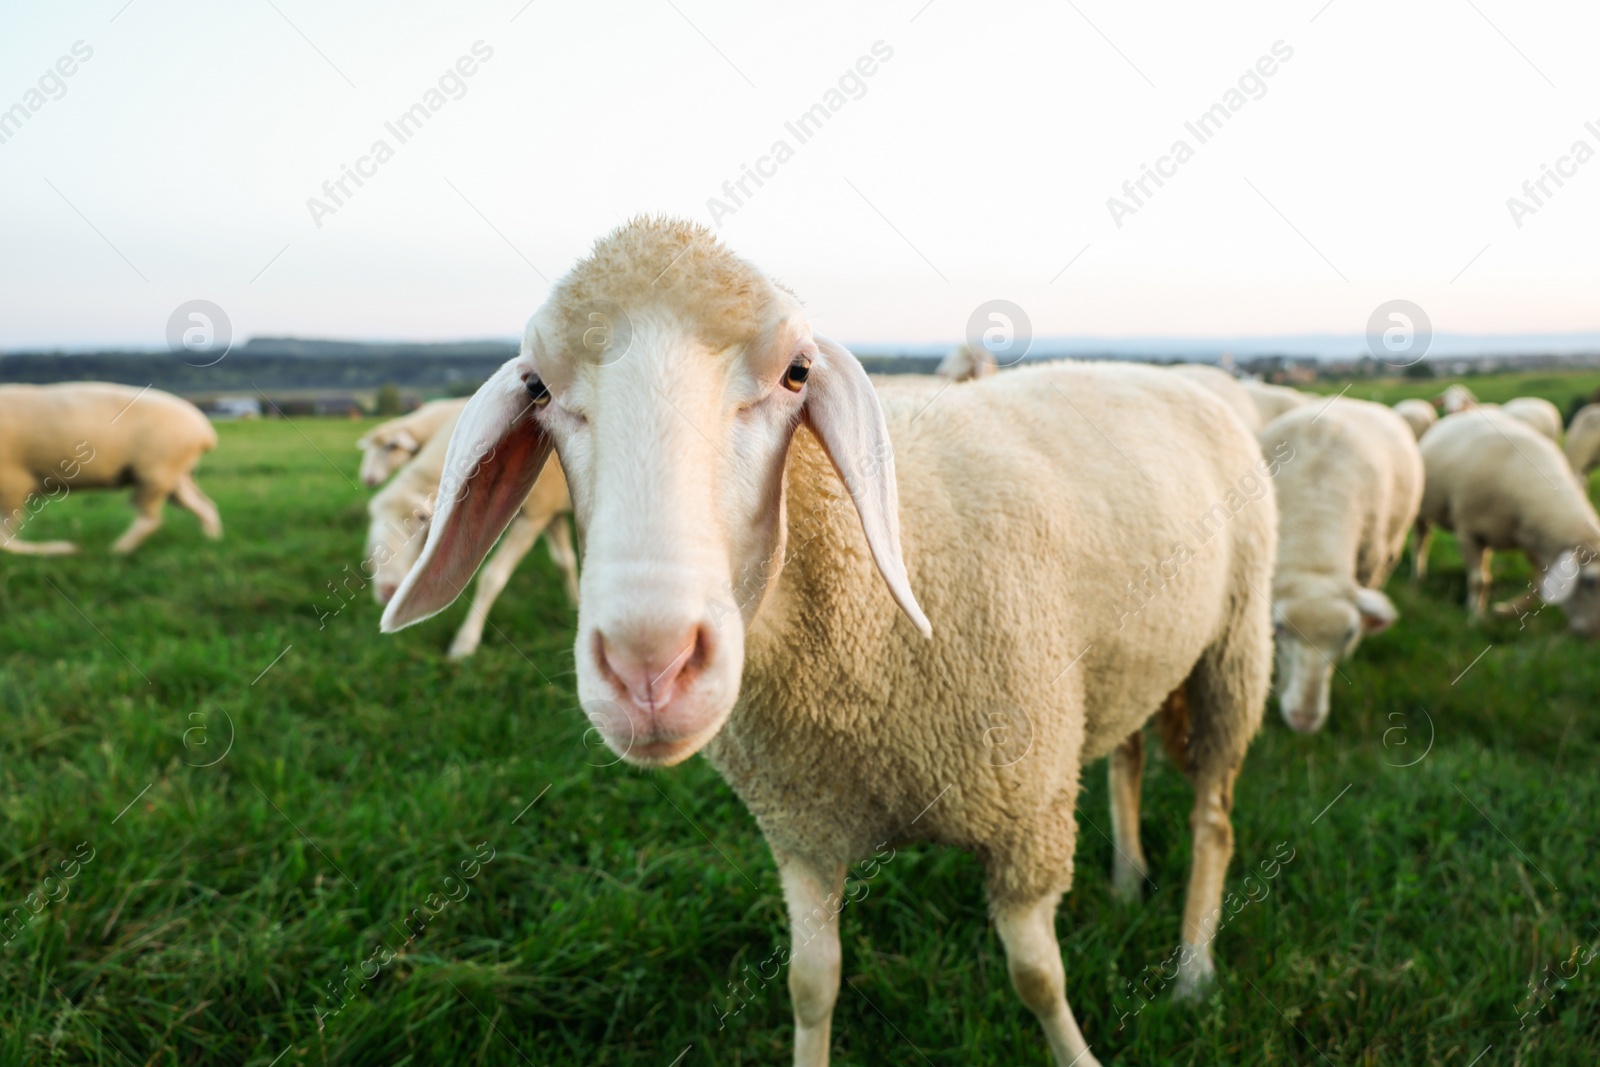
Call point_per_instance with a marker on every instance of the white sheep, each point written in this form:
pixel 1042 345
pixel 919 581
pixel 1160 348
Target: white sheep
pixel 58 439
pixel 1456 397
pixel 1272 400
pixel 732 602
pixel 1349 481
pixel 1583 442
pixel 1221 384
pixel 390 445
pixel 1537 412
pixel 1499 484
pixel 966 362
pixel 400 513
pixel 1419 415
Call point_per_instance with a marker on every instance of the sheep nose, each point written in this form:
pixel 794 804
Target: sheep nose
pixel 386 591
pixel 651 666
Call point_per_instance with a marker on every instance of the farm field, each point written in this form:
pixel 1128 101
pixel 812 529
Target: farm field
pixel 270 790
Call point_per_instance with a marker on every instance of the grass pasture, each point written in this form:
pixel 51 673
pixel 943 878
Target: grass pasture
pixel 271 790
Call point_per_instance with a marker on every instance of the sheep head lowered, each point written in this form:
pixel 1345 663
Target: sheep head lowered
pixel 670 376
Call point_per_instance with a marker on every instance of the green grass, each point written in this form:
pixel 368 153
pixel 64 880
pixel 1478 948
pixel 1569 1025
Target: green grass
pixel 223 900
pixel 1561 388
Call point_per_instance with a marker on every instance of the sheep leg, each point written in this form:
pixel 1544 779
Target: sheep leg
pixel 189 497
pixel 14 515
pixel 558 535
pixel 1478 560
pixel 1128 867
pixel 1419 550
pixel 1212 827
pixel 812 892
pixel 147 501
pixel 519 537
pixel 1033 957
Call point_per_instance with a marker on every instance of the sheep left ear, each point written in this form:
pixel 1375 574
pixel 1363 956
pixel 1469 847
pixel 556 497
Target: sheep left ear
pixel 842 409
pixel 495 456
pixel 1378 612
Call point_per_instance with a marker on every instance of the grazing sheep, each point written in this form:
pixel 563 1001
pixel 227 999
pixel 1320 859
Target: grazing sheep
pixel 1456 397
pixel 390 445
pixel 400 514
pixel 1224 385
pixel 966 362
pixel 1272 400
pixel 1498 483
pixel 57 439
pixel 1349 481
pixel 1583 442
pixel 1419 415
pixel 732 599
pixel 1537 412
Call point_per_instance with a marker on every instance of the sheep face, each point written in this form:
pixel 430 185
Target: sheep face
pixel 382 455
pixel 1314 629
pixel 1575 588
pixel 674 450
pixel 394 541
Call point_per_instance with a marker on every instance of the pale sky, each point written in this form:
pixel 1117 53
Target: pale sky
pixel 177 161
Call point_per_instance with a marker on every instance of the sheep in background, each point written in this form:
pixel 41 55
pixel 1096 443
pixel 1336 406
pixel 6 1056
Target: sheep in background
pixel 1537 412
pixel 1348 494
pixel 1498 483
pixel 57 439
pixel 732 601
pixel 400 514
pixel 1456 397
pixel 1226 387
pixel 1419 415
pixel 1272 400
pixel 390 445
pixel 1583 442
pixel 966 362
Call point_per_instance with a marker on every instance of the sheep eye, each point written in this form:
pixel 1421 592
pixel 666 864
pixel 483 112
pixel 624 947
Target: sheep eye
pixel 797 374
pixel 537 391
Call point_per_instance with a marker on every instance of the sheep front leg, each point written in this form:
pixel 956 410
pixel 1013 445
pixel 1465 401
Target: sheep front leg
pixel 1212 827
pixel 519 537
pixel 812 892
pixel 1033 956
pixel 147 501
pixel 1126 773
pixel 1478 560
pixel 1419 549
pixel 559 536
pixel 189 496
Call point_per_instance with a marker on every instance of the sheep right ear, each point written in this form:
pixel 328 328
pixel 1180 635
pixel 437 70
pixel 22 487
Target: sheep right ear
pixel 495 456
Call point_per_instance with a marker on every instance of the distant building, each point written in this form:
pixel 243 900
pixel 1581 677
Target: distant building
pixel 233 407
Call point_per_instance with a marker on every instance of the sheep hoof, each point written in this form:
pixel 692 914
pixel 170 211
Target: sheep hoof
pixel 1196 975
pixel 462 649
pixel 1127 884
pixel 56 548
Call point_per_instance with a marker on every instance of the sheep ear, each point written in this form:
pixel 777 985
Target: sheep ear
pixel 406 441
pixel 842 409
pixel 1560 579
pixel 495 455
pixel 1378 612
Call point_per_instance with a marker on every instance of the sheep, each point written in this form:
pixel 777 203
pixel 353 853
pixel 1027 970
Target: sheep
pixel 730 603
pixel 966 362
pixel 390 445
pixel 400 513
pixel 1537 412
pixel 1419 415
pixel 1224 385
pixel 1456 397
pixel 1349 481
pixel 56 439
pixel 1272 400
pixel 1583 442
pixel 1498 483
